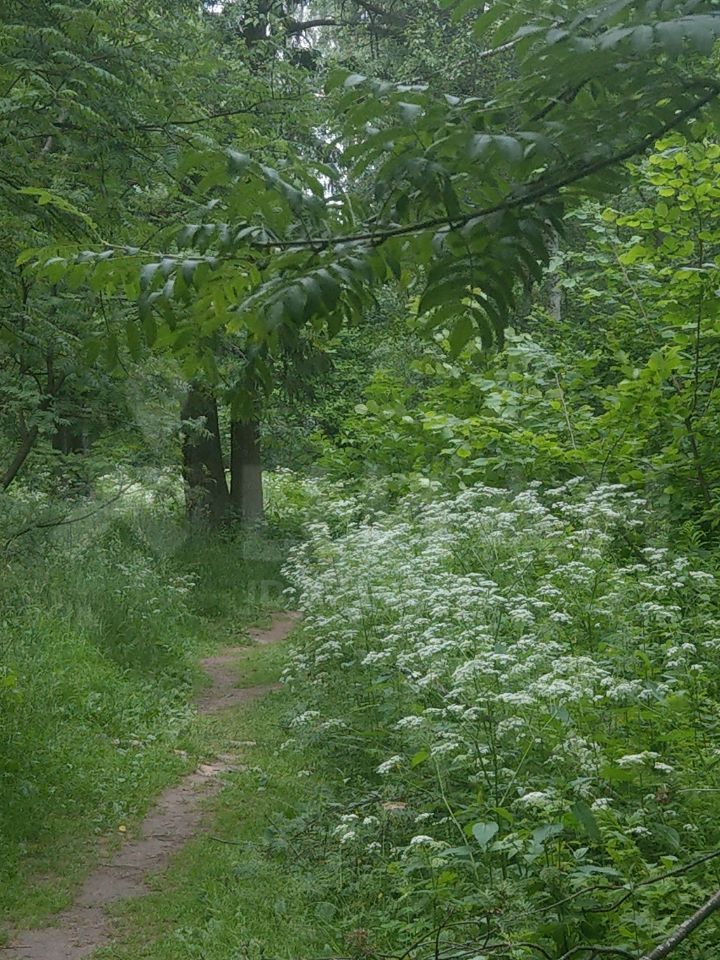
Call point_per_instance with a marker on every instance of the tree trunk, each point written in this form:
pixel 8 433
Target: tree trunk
pixel 206 492
pixel 68 439
pixel 28 435
pixel 26 445
pixel 246 491
pixel 555 293
pixel 255 29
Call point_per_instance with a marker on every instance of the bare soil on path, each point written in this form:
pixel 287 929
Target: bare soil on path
pixel 174 819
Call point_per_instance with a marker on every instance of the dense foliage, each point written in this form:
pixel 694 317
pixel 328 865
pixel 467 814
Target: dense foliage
pixel 526 687
pixel 449 273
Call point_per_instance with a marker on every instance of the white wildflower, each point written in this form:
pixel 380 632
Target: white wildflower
pixel 637 759
pixel 392 763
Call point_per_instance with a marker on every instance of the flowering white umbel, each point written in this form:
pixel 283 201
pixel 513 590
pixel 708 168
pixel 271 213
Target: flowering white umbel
pixel 496 645
pixel 390 764
pixel 536 798
pixel 637 759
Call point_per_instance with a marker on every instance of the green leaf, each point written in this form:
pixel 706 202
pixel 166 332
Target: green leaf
pixel 237 162
pixel 462 7
pixel 509 148
pixel 671 35
pixel 667 836
pixel 479 144
pixel 490 17
pixel 148 324
pixel 546 832
pixel 584 815
pixel 484 832
pixel 46 197
pixel 506 30
pixel 636 252
pixel 294 301
pixel 93 349
pixel 463 330
pixel 336 78
pixel 422 755
pixel 187 270
pixel 410 111
pixel 187 234
pixel 325 911
pixel 642 38
pixel 484 328
pixel 147 274
pixel 451 289
pixel 703 32
pixel 111 354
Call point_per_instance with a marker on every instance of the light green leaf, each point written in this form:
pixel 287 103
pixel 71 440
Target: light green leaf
pixel 484 833
pixel 584 815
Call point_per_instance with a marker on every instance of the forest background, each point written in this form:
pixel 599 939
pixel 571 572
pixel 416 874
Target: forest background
pixel 419 302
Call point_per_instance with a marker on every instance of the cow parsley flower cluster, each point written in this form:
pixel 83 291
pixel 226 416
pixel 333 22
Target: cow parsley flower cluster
pixel 516 669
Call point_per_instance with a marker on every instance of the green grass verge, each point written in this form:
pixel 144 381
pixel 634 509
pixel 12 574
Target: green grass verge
pixel 102 632
pixel 265 879
pixel 240 889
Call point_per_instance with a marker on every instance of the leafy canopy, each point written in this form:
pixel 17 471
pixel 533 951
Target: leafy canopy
pixel 469 190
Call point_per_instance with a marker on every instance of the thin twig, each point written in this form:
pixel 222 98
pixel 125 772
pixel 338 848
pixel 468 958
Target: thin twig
pixel 676 872
pixel 595 950
pixel 66 520
pixel 685 929
pixel 600 888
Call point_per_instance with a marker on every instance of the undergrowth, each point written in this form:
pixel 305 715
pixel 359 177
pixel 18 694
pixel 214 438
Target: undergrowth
pixel 266 880
pixel 496 736
pixel 103 622
pixel 522 691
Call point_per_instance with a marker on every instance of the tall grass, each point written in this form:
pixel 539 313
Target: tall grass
pixel 101 626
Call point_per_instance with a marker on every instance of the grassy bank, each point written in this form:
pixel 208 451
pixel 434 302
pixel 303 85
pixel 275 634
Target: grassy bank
pixel 102 626
pixel 267 879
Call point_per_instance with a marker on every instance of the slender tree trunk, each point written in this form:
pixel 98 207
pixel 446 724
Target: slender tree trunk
pixel 67 439
pixel 206 492
pixel 697 460
pixel 23 452
pixel 698 464
pixel 28 435
pixel 555 294
pixel 246 489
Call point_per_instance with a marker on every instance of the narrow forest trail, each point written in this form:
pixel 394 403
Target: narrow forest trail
pixel 174 819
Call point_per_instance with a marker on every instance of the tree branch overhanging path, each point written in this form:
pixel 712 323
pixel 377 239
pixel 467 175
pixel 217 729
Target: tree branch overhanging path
pixel 535 192
pixel 345 232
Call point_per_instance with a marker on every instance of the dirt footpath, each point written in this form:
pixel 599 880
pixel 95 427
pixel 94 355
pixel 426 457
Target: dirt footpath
pixel 174 819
